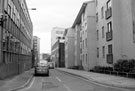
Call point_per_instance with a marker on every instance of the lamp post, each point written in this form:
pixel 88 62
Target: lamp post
pixel 32 9
pixel 33 62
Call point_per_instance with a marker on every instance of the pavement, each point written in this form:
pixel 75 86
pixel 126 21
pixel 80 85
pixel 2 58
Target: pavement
pixel 103 79
pixel 16 82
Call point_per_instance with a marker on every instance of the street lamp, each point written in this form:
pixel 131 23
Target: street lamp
pixel 32 9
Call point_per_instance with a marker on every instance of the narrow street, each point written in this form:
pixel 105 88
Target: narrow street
pixel 61 81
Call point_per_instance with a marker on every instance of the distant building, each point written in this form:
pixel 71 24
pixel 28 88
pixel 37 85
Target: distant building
pixel 58 55
pixel 36 48
pixel 45 55
pixel 69 47
pixel 57 33
pixel 55 53
pixel 57 46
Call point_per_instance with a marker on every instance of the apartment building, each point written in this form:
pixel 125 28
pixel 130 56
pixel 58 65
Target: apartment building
pixel 115 22
pixel 69 47
pixel 86 20
pixel 77 28
pixel 15 37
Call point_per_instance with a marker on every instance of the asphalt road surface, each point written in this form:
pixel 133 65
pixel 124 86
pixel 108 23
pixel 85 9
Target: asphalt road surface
pixel 61 81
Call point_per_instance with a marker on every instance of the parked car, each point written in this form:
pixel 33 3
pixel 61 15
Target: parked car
pixel 42 68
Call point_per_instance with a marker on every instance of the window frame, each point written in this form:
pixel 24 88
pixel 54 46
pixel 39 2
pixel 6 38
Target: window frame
pixel 110 49
pixel 102 12
pixel 103 50
pixel 109 26
pixel 97 52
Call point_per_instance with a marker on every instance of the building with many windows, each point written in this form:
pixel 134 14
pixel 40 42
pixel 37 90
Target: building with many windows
pixel 87 22
pixel 15 37
pixel 104 33
pixel 115 31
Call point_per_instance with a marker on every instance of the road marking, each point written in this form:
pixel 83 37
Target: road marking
pixel 67 87
pixel 30 85
pixel 58 79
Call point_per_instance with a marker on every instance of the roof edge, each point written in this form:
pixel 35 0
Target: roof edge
pixel 78 18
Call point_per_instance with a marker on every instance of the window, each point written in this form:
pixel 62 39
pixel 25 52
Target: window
pixel 86 58
pixel 80 50
pixel 59 32
pixel 63 37
pixel 109 49
pixel 97 35
pixel 102 12
pixel 96 17
pixel 134 31
pixel 109 26
pixel 5 57
pixel 58 38
pixel 83 57
pixel 8 40
pixel 4 40
pixel 83 44
pixel 97 52
pixel 103 32
pixel 86 42
pixel 108 4
pixel 103 51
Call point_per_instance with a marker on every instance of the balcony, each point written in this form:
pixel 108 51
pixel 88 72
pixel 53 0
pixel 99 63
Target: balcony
pixel 109 35
pixel 109 58
pixel 108 13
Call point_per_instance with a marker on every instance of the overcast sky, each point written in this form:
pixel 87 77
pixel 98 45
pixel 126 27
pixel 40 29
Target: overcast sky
pixel 49 14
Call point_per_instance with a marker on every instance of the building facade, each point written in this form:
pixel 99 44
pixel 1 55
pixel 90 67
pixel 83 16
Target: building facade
pixel 36 49
pixel 69 47
pixel 45 55
pixel 115 31
pixel 55 53
pixel 56 33
pixel 58 54
pixel 85 22
pixel 56 38
pixel 15 38
pixel 77 28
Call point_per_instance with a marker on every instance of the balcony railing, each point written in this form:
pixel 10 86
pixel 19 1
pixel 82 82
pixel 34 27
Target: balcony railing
pixel 109 35
pixel 108 13
pixel 109 58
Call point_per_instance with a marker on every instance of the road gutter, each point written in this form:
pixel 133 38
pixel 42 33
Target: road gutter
pixel 97 82
pixel 23 86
